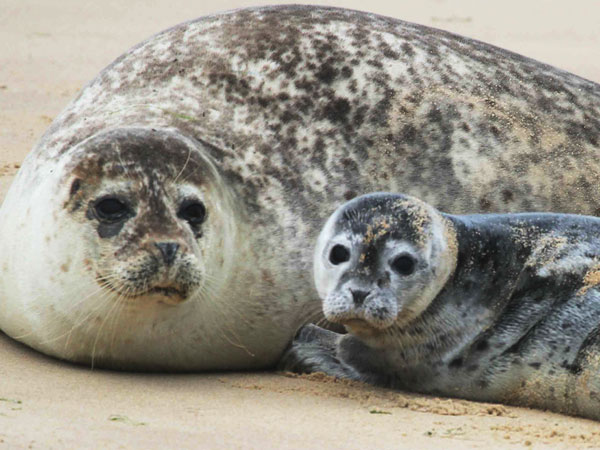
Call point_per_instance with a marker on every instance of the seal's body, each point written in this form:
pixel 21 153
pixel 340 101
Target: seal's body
pixel 502 308
pixel 271 116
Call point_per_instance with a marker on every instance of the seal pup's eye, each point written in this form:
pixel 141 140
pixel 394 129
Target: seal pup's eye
pixel 193 212
pixel 339 254
pixel 111 209
pixel 403 264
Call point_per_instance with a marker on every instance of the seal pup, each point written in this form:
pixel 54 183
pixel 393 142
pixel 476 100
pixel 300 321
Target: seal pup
pixel 493 307
pixel 273 116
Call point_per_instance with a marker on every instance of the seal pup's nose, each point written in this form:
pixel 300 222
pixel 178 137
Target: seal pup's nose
pixel 359 297
pixel 168 251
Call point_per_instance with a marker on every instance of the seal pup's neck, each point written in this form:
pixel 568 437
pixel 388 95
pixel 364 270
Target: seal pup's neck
pixel 494 253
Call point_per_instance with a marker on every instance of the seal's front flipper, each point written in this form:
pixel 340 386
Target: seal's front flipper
pixel 314 349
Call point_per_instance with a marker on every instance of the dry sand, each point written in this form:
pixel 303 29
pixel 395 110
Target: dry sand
pixel 48 50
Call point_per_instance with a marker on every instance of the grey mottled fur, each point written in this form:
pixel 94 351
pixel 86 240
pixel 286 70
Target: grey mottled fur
pixel 517 322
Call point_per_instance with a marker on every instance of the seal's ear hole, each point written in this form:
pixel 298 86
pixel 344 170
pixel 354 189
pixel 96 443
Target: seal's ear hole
pixel 192 211
pixel 403 264
pixel 111 209
pixel 339 254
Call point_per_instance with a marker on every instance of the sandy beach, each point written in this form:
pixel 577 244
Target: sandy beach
pixel 48 50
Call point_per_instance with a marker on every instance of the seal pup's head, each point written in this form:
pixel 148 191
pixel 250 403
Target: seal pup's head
pixel 380 260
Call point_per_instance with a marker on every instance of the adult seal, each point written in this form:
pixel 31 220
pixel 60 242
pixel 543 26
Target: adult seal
pixel 490 307
pixel 161 222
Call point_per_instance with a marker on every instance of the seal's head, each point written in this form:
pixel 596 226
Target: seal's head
pixel 142 200
pixel 380 260
pixel 135 237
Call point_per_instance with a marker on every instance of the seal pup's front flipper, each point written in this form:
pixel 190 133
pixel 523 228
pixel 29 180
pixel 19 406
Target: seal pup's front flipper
pixel 314 349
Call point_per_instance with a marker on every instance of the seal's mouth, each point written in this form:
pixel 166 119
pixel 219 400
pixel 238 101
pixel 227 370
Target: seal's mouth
pixel 361 327
pixel 164 294
pixel 166 291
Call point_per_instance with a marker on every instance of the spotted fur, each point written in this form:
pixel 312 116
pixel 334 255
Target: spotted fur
pixel 299 108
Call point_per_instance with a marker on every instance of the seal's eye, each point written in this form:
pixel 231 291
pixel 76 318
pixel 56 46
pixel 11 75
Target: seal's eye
pixel 403 264
pixel 192 211
pixel 111 209
pixel 339 254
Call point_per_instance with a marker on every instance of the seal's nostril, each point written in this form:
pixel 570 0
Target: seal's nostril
pixel 168 251
pixel 359 296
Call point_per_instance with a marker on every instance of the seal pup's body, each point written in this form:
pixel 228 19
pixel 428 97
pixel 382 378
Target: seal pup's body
pixel 502 308
pixel 291 110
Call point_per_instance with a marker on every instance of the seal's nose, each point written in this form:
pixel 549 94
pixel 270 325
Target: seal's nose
pixel 168 251
pixel 359 297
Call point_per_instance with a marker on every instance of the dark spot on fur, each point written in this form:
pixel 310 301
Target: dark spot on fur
pixel 408 134
pixel 75 186
pixel 407 49
pixel 434 115
pixel 337 110
pixel 327 73
pixel 507 195
pixel 389 53
pixel 485 204
pixel 535 365
pixel 349 195
pixel 456 362
pixel 482 345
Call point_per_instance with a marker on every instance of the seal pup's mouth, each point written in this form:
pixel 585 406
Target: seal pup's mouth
pixel 361 327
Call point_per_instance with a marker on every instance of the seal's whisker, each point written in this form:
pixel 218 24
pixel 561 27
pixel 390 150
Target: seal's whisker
pixel 187 160
pixel 218 310
pixel 122 302
pixel 78 303
pixel 102 301
pixel 99 332
pixel 61 335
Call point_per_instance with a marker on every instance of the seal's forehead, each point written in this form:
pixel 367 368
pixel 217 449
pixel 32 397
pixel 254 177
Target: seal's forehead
pixel 136 153
pixel 377 217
